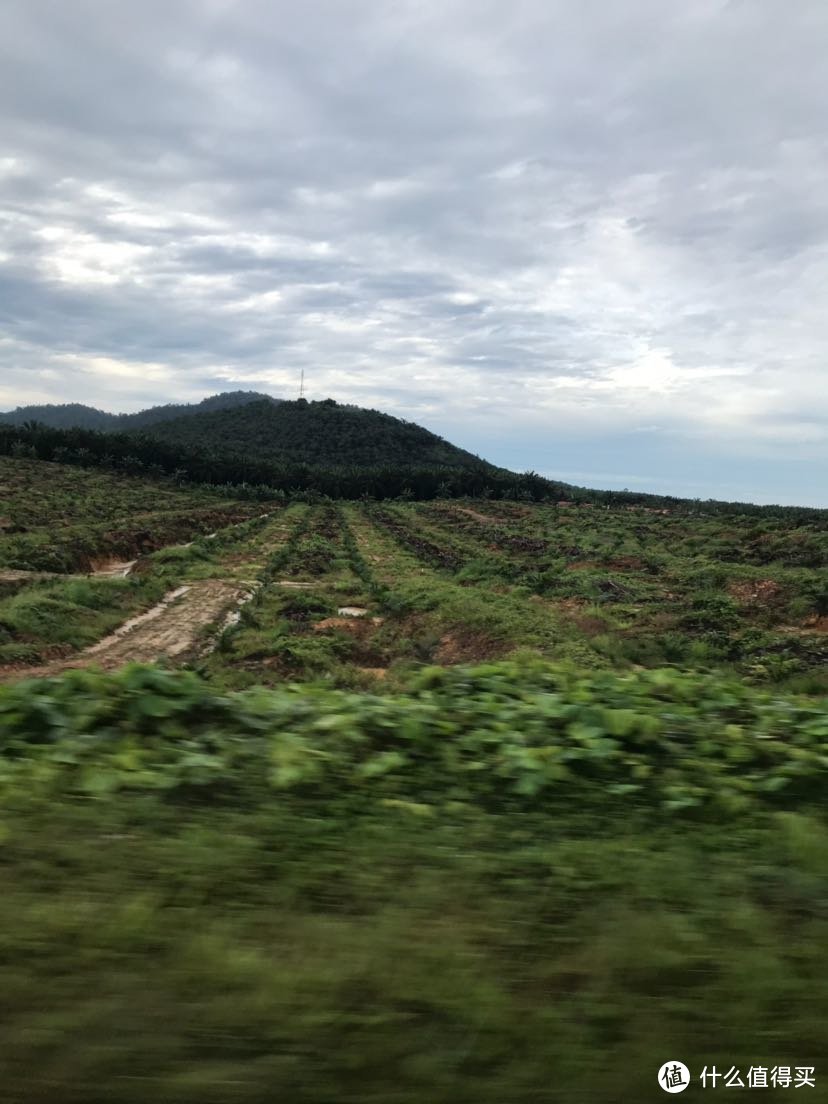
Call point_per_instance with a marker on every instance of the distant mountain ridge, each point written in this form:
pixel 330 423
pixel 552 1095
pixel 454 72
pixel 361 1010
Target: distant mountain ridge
pixel 78 415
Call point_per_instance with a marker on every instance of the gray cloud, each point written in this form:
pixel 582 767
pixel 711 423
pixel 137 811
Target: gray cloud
pixel 541 221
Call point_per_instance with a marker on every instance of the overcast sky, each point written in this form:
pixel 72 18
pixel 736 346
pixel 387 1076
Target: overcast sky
pixel 582 237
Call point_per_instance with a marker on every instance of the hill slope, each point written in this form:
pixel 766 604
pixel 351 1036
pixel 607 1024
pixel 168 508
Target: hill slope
pixel 318 433
pixel 78 415
pixel 62 416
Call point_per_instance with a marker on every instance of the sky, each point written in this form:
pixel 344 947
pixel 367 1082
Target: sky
pixel 583 238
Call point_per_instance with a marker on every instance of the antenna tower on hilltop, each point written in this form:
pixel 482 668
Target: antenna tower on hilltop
pixel 302 385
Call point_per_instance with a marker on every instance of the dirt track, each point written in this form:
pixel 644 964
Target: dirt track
pixel 169 630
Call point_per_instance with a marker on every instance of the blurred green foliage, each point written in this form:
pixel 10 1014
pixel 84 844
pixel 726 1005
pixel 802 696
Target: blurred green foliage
pixel 510 883
pixel 502 735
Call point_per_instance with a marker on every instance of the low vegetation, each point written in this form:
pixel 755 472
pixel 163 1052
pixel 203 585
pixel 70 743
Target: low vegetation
pixel 55 518
pixel 453 800
pixel 572 876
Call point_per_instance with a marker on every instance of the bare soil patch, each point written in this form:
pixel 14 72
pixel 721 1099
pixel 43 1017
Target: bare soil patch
pixel 465 646
pixel 359 626
pixel 762 592
pixel 627 563
pixel 812 626
pixel 112 569
pixel 574 610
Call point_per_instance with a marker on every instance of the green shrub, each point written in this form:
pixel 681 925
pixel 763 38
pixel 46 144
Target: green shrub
pixel 712 612
pixel 502 733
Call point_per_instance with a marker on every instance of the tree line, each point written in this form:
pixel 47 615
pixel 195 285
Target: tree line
pixel 140 455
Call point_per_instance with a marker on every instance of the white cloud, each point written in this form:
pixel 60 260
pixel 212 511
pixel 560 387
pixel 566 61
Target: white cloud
pixel 574 218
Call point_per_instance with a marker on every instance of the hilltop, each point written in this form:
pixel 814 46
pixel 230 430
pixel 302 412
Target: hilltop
pixel 318 433
pixel 265 447
pixel 81 416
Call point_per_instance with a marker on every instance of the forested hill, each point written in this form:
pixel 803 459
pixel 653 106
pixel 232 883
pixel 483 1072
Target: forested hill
pixel 323 434
pixel 259 428
pixel 77 415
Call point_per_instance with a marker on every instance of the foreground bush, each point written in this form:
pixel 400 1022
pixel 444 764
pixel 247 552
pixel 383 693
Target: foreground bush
pixel 505 735
pixel 506 885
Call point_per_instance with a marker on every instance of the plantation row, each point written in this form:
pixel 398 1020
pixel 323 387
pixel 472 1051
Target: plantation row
pixel 423 549
pixel 451 582
pixel 449 540
pixel 489 533
pixel 77 548
pixel 291 628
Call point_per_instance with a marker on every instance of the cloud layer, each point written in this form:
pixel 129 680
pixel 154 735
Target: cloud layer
pixel 584 238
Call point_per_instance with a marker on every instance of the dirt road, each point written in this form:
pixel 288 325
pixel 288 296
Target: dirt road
pixel 172 629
